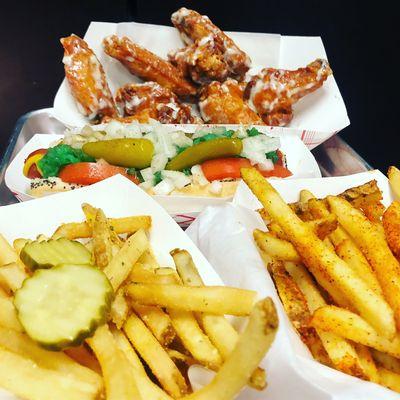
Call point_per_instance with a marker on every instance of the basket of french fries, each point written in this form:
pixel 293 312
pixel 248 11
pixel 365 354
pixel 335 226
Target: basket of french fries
pixel 112 300
pixel 330 250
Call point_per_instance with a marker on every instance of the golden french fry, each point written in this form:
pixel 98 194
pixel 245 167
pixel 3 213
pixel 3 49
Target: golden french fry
pixel 318 257
pixel 389 379
pixel 391 225
pixel 120 266
pixel 351 326
pixel 367 362
pixel 80 230
pixel 250 349
pixel 155 357
pixel 102 242
pixel 394 179
pixel 24 378
pixel 375 249
pixel 3 293
pixel 21 344
pixel 147 388
pixel 119 309
pixel 8 315
pixel 305 195
pixel 84 356
pixel 275 247
pixel 148 259
pixel 11 277
pixel 118 377
pixel 7 253
pixel 158 321
pixel 217 300
pixel 144 274
pixel 386 361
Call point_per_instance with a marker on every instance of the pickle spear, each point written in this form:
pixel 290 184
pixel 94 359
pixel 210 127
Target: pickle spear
pixel 129 153
pixel 197 154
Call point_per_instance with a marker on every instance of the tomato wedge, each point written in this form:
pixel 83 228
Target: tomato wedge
pixel 223 168
pixel 87 173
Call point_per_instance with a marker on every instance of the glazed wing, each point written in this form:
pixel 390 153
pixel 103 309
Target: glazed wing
pixel 150 100
pixel 273 92
pixel 87 79
pixel 195 27
pixel 147 65
pixel 222 103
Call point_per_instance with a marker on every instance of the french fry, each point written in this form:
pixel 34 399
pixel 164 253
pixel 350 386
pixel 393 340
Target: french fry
pixel 84 356
pixel 394 179
pixel 386 361
pixel 177 356
pixel 217 300
pixel 3 293
pixel 250 349
pixel 147 388
pixel 144 274
pixel 8 315
pixel 81 230
pixel 11 277
pixel 102 242
pixel 389 379
pixel 119 309
pixel 275 247
pixel 367 362
pixel 305 195
pixel 148 259
pixel 21 344
pixel 120 266
pixel 158 321
pixel 7 253
pixel 375 249
pixel 351 326
pixel 318 257
pixel 391 225
pixel 155 357
pixel 26 379
pixel 118 377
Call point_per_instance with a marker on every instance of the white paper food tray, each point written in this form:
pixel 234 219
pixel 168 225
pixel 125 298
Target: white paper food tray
pixel 225 236
pixel 184 209
pixel 317 116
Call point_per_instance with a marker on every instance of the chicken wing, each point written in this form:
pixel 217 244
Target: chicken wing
pixel 150 100
pixel 222 103
pixel 147 65
pixel 87 79
pixel 195 27
pixel 273 92
pixel 203 61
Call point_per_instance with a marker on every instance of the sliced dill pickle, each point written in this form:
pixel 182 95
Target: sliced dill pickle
pixel 62 306
pixel 52 252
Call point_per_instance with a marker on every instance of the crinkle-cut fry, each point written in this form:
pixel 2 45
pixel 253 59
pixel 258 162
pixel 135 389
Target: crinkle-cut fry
pixel 318 257
pixel 147 65
pixel 353 327
pixel 275 247
pixel 118 377
pixel 87 80
pixel 24 378
pixel 158 321
pixel 389 379
pixel 119 309
pixel 367 362
pixel 391 224
pixel 155 357
pixel 11 277
pixel 250 349
pixel 375 249
pixel 8 315
pixel 386 361
pixel 119 267
pixel 82 230
pixel 346 249
pixel 217 300
pixel 394 180
pixel 84 356
pixel 21 344
pixel 147 388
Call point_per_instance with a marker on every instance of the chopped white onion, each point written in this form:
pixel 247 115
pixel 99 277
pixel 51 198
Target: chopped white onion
pixel 216 187
pixel 267 165
pixel 147 174
pixel 179 179
pixel 159 162
pixel 146 185
pixel 180 139
pixel 255 148
pixel 198 176
pixel 166 186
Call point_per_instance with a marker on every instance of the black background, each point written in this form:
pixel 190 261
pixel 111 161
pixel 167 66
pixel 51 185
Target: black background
pixel 361 40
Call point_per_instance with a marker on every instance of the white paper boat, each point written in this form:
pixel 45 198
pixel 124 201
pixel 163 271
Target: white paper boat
pixel 225 236
pixel 317 116
pixel 184 208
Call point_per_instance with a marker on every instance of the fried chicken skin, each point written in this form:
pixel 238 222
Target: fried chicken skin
pixel 203 61
pixel 193 27
pixel 141 101
pixel 222 103
pixel 273 91
pixel 147 65
pixel 87 79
